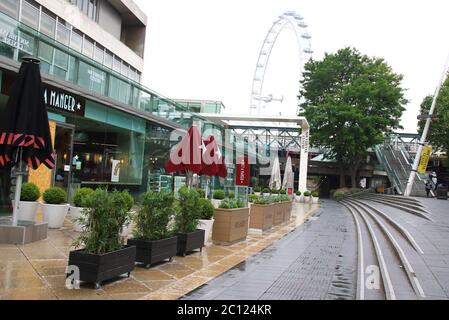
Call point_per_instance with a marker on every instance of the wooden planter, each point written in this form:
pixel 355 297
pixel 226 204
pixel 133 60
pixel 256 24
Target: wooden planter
pixel 261 216
pixel 231 225
pixel 278 216
pixel 287 211
pixel 188 242
pixel 96 268
pixel 150 252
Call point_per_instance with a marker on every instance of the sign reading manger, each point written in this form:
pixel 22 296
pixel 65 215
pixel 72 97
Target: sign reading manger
pixel 58 99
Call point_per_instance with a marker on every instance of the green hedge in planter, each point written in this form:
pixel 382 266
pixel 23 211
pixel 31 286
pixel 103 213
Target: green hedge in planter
pixel 298 193
pixel 252 198
pixel 102 222
pixel 206 209
pixel 257 189
pixel 55 195
pixel 273 191
pixel 219 195
pixel 282 191
pixel 307 194
pixel 315 194
pixel 81 197
pixel 232 204
pixel 128 199
pixel 29 192
pixel 266 190
pixel 151 220
pixel 263 201
pixel 231 195
pixel 187 213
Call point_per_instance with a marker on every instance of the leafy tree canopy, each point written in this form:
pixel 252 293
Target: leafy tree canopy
pixel 351 101
pixel 438 135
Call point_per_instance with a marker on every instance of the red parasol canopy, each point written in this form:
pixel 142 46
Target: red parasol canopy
pixel 213 162
pixel 188 155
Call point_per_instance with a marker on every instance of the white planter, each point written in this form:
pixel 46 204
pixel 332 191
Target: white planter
pixel 266 194
pixel 75 213
pixel 216 203
pixel 55 214
pixel 257 194
pixel 315 200
pixel 28 210
pixel 206 225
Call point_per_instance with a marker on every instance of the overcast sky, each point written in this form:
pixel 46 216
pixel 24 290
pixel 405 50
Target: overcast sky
pixel 208 49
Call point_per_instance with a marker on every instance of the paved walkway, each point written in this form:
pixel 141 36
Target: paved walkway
pixel 37 271
pixel 317 261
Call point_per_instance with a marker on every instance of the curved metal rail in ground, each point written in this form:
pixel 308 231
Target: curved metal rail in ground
pixel 362 210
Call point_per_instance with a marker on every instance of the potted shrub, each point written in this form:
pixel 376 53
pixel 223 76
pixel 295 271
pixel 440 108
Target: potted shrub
pixel 266 192
pixel 315 197
pixel 80 199
pixel 257 191
pixel 231 195
pixel 201 192
pixel 55 208
pixel 231 222
pixel 282 191
pixel 298 196
pixel 218 196
pixel 206 220
pixel 151 236
pixel 104 255
pixel 275 191
pixel 307 198
pixel 129 203
pixel 28 202
pixel 186 222
pixel 261 214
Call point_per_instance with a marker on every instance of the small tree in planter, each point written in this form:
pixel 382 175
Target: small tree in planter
pixel 55 207
pixel 186 222
pixel 282 191
pixel 206 222
pixel 307 195
pixel 298 196
pixel 153 241
pixel 201 192
pixel 104 255
pixel 231 195
pixel 315 197
pixel 218 196
pixel 266 192
pixel 257 191
pixel 28 202
pixel 80 201
pixel 129 203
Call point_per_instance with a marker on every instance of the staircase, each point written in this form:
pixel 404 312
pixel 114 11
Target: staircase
pixel 398 165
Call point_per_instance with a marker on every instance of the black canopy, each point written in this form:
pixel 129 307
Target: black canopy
pixel 24 128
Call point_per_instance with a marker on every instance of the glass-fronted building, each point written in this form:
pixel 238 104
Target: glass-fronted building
pixel 101 117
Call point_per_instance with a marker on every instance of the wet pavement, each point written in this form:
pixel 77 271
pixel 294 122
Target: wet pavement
pixel 37 271
pixel 316 261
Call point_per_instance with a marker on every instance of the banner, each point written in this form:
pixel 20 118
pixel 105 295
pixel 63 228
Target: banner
pixel 242 172
pixel 115 176
pixel 425 157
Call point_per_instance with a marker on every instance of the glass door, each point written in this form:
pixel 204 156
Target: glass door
pixel 63 153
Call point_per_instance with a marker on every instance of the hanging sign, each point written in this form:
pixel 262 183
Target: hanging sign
pixel 425 157
pixel 115 176
pixel 61 100
pixel 242 172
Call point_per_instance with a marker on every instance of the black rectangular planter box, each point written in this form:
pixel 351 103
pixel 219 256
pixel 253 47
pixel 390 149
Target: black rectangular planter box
pixel 188 242
pixel 149 252
pixel 96 268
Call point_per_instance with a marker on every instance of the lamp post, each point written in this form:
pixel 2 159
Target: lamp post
pixel 411 178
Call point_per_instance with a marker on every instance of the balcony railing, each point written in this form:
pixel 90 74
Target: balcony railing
pixel 18 40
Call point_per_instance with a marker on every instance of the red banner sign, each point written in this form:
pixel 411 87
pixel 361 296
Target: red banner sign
pixel 242 172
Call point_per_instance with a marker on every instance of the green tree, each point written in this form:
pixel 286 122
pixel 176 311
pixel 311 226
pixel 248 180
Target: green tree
pixel 351 102
pixel 439 128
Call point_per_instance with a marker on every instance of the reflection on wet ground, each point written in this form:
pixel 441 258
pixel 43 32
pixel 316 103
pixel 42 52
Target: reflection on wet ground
pixel 37 271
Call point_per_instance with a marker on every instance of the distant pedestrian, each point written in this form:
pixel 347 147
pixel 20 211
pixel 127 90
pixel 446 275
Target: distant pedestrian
pixel 434 179
pixel 428 187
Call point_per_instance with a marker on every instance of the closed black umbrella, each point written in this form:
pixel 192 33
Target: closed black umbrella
pixel 24 129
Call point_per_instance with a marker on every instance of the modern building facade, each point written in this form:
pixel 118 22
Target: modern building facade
pixel 101 117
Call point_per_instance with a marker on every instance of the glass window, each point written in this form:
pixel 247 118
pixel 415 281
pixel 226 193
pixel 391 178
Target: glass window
pixel 119 90
pixel 48 25
pixel 88 47
pixel 61 61
pixel 117 64
pixel 91 78
pixel 63 34
pixel 76 41
pixel 30 15
pixel 26 44
pixel 46 56
pixel 99 53
pixel 10 7
pixel 108 59
pixel 125 69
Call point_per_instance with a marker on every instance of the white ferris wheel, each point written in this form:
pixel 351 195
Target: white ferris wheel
pixel 288 19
